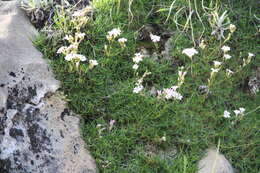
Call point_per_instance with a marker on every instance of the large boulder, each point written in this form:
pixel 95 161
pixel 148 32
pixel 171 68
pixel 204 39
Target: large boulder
pixel 38 133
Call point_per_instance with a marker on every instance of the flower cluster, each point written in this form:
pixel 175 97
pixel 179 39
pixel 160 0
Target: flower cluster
pixel 214 70
pixel 217 66
pixel 225 50
pixel 71 52
pixel 80 18
pixel 113 34
pixel 169 93
pixel 239 112
pixel 75 56
pixel 137 59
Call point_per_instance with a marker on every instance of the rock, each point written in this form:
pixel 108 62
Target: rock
pixel 168 154
pixel 43 11
pixel 20 62
pixel 3 98
pixel 166 53
pixel 254 82
pixel 43 137
pixel 214 162
pixel 204 89
pixel 38 134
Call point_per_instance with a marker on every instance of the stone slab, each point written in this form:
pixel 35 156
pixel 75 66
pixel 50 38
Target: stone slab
pixel 38 133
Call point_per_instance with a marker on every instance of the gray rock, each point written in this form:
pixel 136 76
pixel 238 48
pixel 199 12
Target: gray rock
pixel 214 162
pixel 38 134
pixel 204 89
pixel 254 82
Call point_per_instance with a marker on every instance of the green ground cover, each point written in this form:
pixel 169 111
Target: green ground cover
pixel 147 128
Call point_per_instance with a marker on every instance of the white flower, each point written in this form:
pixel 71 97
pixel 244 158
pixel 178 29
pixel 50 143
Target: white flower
pixel 138 88
pixel 226 114
pixel 229 72
pixel 79 13
pixel 135 66
pixel 93 62
pixel 174 87
pixel 109 37
pixel 227 56
pixel 237 112
pixel 66 37
pixel 122 40
pixel 81 57
pixel 74 56
pixel 159 93
pixel 232 28
pixel 99 125
pixel 139 81
pixel 80 35
pixel 240 111
pixel 250 55
pixel 217 64
pixel 72 47
pixel 69 38
pixel 170 93
pixel 225 48
pixel 69 57
pixel 163 139
pixel 155 38
pixel 114 32
pixel 215 70
pixel 62 49
pixel 177 96
pixel 190 52
pixel 138 58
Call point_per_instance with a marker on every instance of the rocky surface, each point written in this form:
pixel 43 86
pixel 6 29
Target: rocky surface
pixel 38 134
pixel 42 13
pixel 213 161
pixel 254 82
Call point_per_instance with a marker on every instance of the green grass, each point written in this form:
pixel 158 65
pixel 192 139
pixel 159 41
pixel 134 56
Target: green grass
pixel 191 125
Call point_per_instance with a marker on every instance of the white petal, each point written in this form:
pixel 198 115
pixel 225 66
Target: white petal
pixel 190 52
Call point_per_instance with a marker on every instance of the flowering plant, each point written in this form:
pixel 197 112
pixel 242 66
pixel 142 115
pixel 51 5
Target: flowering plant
pixel 70 52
